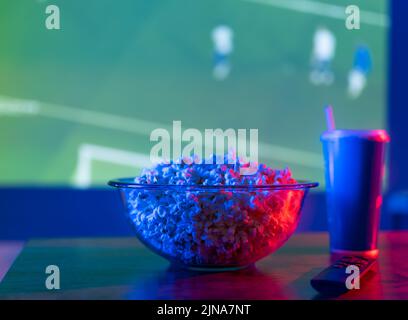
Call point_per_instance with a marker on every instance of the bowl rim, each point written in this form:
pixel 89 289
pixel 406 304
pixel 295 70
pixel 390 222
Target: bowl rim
pixel 129 183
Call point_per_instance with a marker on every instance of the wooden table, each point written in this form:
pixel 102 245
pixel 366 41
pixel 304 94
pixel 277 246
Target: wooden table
pixel 122 268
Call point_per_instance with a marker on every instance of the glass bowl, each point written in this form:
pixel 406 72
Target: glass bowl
pixel 213 227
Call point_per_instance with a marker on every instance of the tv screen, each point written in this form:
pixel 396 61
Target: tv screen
pixel 84 83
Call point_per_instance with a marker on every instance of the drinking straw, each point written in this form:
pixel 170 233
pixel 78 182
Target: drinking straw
pixel 331 124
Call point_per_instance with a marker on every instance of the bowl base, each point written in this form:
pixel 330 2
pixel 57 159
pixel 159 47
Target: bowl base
pixel 213 269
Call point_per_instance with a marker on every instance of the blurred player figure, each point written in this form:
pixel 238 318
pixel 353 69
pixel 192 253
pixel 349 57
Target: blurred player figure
pixel 222 37
pixel 324 47
pixel 357 78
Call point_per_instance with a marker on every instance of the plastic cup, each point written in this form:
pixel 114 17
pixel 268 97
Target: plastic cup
pixel 354 167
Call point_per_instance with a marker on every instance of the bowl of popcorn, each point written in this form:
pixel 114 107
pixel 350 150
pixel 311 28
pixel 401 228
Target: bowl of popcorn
pixel 209 216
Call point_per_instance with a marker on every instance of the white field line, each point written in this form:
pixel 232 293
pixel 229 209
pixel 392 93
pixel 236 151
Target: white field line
pixel 326 10
pixel 17 107
pixel 14 107
pixel 88 153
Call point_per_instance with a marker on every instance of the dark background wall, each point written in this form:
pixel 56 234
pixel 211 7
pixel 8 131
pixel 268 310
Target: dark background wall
pixel 65 212
pixel 398 85
pixel 397 204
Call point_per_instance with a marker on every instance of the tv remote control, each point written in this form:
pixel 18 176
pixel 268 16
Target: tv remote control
pixel 332 280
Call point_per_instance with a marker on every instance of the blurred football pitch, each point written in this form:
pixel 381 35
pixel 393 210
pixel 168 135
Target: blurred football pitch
pixel 77 105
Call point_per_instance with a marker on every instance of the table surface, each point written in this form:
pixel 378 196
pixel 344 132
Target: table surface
pixel 122 268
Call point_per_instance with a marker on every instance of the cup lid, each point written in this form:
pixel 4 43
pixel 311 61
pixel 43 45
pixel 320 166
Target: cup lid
pixel 378 135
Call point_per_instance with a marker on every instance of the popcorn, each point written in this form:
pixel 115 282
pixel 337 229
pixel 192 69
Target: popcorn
pixel 219 226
